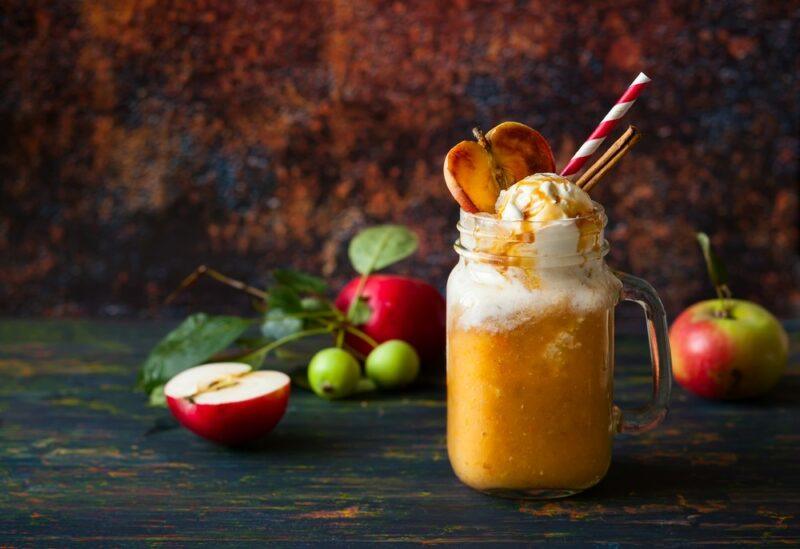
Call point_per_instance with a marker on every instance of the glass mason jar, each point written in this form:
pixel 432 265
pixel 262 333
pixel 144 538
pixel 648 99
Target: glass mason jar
pixel 530 354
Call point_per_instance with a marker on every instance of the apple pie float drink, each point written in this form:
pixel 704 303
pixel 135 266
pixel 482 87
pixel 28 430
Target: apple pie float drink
pixel 530 325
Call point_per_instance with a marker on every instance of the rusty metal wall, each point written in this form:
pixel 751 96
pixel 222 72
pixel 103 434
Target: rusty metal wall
pixel 140 138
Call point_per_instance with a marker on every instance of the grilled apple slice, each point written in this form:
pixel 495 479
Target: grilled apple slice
pixel 476 172
pixel 470 175
pixel 520 151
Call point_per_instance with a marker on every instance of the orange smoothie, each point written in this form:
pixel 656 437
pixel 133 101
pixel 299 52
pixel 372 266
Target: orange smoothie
pixel 530 408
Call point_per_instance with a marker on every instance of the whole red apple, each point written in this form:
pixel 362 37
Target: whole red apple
pixel 402 308
pixel 728 349
pixel 227 402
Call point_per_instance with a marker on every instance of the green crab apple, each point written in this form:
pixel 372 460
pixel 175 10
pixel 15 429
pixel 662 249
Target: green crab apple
pixel 392 364
pixel 333 373
pixel 727 348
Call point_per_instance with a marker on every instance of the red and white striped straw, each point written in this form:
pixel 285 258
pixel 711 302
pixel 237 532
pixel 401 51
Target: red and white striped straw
pixel 607 125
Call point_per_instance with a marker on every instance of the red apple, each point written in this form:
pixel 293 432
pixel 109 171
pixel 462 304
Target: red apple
pixel 228 402
pixel 402 308
pixel 728 349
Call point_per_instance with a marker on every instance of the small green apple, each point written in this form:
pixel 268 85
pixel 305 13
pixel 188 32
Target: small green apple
pixel 392 364
pixel 333 373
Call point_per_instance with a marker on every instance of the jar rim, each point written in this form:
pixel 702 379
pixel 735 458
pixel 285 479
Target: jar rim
pixel 518 239
pixel 561 260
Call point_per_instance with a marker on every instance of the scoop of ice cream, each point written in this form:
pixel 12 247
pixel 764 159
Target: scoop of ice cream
pixel 543 197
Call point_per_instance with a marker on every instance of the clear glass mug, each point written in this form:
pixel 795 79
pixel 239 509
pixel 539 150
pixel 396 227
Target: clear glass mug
pixel 530 354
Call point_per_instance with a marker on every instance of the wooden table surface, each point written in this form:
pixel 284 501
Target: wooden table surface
pixel 83 458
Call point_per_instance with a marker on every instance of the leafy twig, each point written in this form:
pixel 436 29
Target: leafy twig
pixel 203 270
pixel 294 308
pixel 289 338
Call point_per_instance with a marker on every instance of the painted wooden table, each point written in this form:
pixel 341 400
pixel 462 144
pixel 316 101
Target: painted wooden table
pixel 83 458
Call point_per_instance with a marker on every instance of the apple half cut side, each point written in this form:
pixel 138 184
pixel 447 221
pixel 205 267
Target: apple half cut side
pixel 476 171
pixel 228 402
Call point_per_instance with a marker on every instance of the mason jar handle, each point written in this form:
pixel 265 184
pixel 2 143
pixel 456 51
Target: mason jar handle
pixel 648 417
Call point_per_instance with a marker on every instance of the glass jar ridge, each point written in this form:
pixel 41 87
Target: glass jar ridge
pixel 558 242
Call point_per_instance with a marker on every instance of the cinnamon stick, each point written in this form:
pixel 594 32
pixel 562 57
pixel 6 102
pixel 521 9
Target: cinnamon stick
pixel 610 158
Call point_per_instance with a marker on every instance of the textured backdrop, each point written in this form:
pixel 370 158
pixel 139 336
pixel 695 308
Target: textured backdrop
pixel 141 138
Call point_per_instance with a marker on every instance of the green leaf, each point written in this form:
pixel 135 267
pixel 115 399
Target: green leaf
pixel 284 298
pixel 378 247
pixel 360 311
pixel 300 282
pixel 193 341
pixel 157 397
pixel 278 324
pixel 716 268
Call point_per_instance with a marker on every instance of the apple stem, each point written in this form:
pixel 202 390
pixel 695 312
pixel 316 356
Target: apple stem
pixel 481 137
pixel 497 171
pixel 723 296
pixel 717 273
pixel 361 335
pixel 362 282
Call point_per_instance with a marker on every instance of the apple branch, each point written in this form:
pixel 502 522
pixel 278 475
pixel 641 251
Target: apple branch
pixel 203 270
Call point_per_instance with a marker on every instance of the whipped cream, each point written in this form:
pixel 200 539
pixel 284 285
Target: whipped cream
pixel 551 203
pixel 543 197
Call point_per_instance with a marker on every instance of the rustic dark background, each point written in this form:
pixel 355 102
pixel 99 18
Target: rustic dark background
pixel 141 138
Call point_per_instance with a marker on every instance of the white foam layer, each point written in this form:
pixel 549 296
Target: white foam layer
pixel 482 296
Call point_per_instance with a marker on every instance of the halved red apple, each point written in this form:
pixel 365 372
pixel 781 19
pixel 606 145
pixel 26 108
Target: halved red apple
pixel 476 172
pixel 228 402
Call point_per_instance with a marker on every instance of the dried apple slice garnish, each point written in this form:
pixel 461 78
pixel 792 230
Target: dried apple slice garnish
pixel 469 175
pixel 476 172
pixel 520 151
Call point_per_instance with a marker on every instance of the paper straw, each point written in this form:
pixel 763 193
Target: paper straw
pixel 607 125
